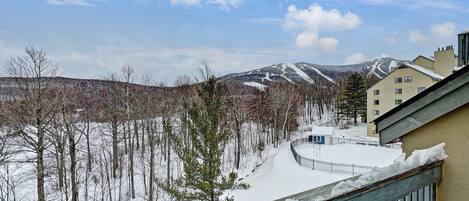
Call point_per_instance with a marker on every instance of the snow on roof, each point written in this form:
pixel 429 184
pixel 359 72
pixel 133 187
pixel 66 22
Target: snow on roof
pixel 425 71
pixel 456 68
pixel 421 56
pixel 322 130
pixel 416 159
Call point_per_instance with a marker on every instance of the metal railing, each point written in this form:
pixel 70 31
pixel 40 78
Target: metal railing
pixel 341 168
pixel 338 140
pixel 418 184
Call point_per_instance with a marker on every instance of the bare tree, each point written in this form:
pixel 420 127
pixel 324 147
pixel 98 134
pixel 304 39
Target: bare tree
pixel 69 121
pixel 236 107
pixel 127 70
pixel 113 112
pixel 31 107
pixel 5 152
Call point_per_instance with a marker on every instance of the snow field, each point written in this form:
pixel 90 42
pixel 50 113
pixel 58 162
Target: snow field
pixel 350 154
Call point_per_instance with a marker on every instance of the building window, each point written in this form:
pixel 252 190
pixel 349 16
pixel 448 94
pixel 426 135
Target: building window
pixel 376 92
pixel 420 89
pixel 376 102
pixel 375 112
pixel 398 91
pixel 398 80
pixel 397 101
pixel 408 79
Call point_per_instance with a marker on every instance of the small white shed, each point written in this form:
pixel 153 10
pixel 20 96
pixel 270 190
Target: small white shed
pixel 321 134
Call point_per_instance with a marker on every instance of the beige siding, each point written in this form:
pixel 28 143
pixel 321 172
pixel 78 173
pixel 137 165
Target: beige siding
pixel 444 62
pixel 388 96
pixel 424 62
pixel 452 129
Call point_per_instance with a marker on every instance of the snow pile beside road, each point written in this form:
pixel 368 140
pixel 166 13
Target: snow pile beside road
pixel 400 165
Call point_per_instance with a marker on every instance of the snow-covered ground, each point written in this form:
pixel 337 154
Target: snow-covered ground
pixel 354 132
pixel 276 172
pixel 281 176
pixel 350 154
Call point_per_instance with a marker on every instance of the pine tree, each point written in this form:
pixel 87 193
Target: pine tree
pixel 203 178
pixel 353 97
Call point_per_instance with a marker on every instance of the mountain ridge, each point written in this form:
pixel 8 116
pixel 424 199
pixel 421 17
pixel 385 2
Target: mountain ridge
pixel 309 73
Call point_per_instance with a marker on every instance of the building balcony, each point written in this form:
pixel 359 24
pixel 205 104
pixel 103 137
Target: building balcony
pixel 418 184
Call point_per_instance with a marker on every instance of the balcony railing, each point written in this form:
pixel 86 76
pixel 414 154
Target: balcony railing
pixel 418 184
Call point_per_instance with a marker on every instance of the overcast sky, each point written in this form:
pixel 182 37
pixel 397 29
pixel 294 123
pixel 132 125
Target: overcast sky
pixel 170 38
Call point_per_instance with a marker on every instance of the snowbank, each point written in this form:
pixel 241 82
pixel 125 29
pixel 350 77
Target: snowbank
pixel 400 165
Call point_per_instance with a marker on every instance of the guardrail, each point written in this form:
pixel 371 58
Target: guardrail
pixel 331 167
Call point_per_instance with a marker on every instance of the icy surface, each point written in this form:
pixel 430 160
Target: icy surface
pixel 400 165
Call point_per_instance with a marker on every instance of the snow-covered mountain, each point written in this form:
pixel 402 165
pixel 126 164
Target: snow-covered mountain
pixel 301 72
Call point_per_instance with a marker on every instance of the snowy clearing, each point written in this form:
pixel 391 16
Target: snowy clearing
pixel 350 154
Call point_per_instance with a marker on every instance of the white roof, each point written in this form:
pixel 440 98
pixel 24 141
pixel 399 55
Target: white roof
pixel 322 130
pixel 424 71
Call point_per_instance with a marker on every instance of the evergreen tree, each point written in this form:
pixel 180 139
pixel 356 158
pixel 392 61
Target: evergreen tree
pixel 353 97
pixel 203 178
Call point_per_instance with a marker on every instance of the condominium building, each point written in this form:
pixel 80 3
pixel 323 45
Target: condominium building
pixel 406 81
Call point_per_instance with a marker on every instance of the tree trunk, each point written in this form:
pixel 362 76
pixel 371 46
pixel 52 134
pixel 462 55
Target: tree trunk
pixel 168 161
pixel 286 117
pixel 40 169
pixel 136 134
pixel 238 143
pixel 115 157
pixel 131 158
pixel 73 164
pixel 152 164
pixel 41 196
pixel 88 148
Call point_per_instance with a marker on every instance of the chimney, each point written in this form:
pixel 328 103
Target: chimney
pixel 444 60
